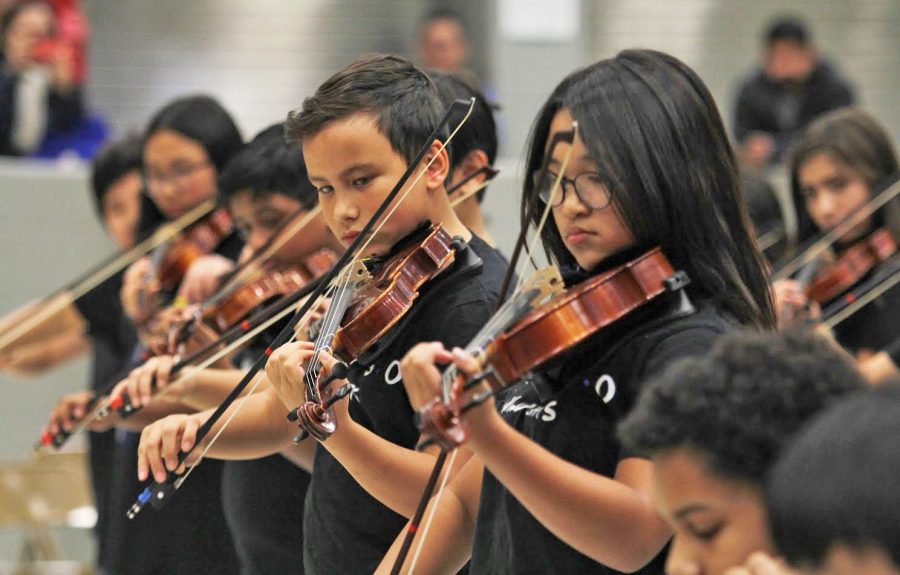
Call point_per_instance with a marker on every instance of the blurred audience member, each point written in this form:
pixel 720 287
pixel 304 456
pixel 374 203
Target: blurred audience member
pixel 42 66
pixel 794 86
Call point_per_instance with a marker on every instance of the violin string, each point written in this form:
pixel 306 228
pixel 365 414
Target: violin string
pixel 331 323
pixel 547 208
pixel 431 514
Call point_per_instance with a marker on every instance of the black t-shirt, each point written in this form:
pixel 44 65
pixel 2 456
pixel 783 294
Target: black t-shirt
pixel 572 410
pixel 187 536
pixel 345 529
pixel 112 339
pixel 876 326
pixel 263 502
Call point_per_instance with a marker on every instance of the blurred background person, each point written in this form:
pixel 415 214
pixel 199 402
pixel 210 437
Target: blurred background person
pixel 794 86
pixel 42 67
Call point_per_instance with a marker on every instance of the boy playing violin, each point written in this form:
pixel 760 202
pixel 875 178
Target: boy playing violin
pixel 359 133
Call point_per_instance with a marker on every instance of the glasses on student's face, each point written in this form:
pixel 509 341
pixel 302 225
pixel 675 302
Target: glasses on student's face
pixel 588 186
pixel 178 177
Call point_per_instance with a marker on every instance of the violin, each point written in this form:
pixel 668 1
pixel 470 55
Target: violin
pixel 545 333
pixel 852 266
pixel 375 307
pixel 198 240
pixel 238 303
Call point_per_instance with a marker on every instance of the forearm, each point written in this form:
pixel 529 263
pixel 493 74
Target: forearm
pixel 448 538
pixel 394 475
pixel 302 454
pixel 36 358
pixel 260 428
pixel 614 524
pixel 66 320
pixel 156 410
pixel 209 387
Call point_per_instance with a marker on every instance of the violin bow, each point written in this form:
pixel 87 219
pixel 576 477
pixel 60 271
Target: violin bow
pixel 68 294
pixel 102 404
pixel 157 493
pixel 856 299
pixel 293 226
pixel 889 192
pixel 415 521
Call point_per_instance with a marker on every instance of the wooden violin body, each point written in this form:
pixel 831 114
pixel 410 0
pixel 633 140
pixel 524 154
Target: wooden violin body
pixel 198 240
pixel 552 329
pixel 857 261
pixel 277 283
pixel 375 307
pixel 381 302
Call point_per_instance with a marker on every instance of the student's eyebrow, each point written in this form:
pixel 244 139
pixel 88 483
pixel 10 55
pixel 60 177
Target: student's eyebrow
pixel 364 167
pixel 346 172
pixel 693 508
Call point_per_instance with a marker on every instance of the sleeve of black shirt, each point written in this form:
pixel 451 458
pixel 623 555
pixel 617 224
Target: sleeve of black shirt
pixel 101 306
pixel 690 342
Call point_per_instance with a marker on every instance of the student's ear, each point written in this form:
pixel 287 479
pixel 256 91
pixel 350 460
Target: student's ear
pixel 474 161
pixel 439 169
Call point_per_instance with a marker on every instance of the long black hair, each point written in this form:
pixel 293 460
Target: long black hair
pixel 199 118
pixel 204 120
pixel 653 128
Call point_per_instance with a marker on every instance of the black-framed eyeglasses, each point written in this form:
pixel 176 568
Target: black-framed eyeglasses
pixel 590 188
pixel 177 177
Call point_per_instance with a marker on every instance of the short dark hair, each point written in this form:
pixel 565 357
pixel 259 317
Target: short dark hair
pixel 787 28
pixel 437 13
pixel 114 162
pixel 741 404
pixel 856 139
pixel 480 130
pixel 837 483
pixel 204 120
pixel 401 98
pixel 655 132
pixel 268 165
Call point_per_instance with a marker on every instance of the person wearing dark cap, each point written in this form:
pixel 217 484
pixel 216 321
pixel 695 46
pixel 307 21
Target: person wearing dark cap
pixel 794 86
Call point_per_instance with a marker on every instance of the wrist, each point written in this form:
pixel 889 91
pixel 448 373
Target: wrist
pixel 485 425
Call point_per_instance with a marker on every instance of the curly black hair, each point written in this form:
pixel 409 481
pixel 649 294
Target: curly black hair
pixel 739 405
pixel 837 482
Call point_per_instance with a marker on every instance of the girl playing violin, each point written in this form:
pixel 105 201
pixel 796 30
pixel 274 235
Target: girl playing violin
pixel 265 185
pixel 836 165
pixel 549 489
pixel 187 143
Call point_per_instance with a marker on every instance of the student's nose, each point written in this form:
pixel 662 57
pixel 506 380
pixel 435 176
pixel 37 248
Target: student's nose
pixel 345 208
pixel 680 561
pixel 824 208
pixel 571 205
